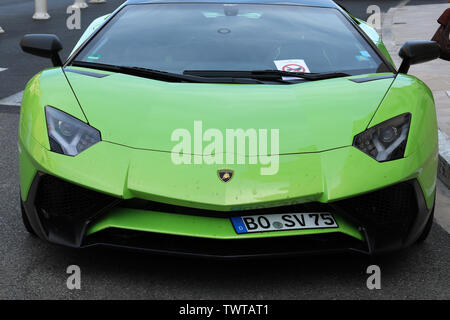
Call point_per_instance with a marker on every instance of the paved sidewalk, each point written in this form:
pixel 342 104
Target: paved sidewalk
pixel 400 24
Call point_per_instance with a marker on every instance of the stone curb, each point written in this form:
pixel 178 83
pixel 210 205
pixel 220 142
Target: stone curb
pixel 444 158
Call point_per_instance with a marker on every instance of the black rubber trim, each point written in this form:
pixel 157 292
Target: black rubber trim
pixel 87 73
pixel 368 79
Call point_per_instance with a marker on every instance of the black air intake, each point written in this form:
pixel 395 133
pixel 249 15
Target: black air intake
pixel 65 209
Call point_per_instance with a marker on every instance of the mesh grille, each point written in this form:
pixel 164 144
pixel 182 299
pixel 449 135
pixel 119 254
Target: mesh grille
pixel 392 209
pixel 57 198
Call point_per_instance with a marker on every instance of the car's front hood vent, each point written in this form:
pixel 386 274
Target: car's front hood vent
pixel 310 116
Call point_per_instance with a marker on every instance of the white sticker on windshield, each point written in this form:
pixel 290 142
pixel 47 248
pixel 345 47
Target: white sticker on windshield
pixel 292 65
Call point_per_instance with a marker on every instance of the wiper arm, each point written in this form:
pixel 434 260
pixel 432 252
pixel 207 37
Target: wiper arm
pixel 136 71
pixel 269 75
pixel 307 76
pixel 157 74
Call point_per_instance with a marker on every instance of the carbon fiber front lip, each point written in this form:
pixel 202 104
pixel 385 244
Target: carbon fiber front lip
pixel 229 257
pixel 225 248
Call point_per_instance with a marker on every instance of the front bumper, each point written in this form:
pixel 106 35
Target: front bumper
pixel 66 214
pixel 379 206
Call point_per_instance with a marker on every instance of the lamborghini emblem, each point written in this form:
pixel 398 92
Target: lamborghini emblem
pixel 225 175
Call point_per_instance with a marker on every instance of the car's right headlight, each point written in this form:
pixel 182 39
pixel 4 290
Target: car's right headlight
pixel 67 134
pixel 387 140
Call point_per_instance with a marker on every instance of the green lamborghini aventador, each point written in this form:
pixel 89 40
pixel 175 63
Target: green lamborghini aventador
pixel 228 129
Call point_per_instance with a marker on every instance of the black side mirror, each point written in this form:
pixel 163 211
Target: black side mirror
pixel 414 52
pixel 43 45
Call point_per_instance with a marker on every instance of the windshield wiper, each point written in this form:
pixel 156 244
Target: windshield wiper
pixel 136 71
pixel 268 75
pixel 307 76
pixel 160 75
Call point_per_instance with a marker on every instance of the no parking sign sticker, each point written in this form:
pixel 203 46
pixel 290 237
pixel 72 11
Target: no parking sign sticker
pixel 292 65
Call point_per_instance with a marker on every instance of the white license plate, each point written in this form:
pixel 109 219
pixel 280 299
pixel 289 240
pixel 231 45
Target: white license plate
pixel 284 221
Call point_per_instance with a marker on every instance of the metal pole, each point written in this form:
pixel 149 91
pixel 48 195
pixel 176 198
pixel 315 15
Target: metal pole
pixel 40 10
pixel 80 4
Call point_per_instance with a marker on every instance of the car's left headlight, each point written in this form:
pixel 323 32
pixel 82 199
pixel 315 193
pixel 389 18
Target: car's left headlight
pixel 67 134
pixel 387 140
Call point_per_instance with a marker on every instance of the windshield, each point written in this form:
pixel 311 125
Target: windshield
pixel 211 36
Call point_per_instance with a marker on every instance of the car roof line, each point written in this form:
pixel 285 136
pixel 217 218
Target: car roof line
pixel 314 3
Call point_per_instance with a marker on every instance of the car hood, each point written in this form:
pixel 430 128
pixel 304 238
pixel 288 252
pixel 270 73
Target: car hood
pixel 143 113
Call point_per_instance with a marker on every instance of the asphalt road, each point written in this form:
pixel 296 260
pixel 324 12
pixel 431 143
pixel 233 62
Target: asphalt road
pixel 32 269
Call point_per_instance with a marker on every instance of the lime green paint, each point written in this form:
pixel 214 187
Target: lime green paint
pixel 49 87
pixel 129 173
pixel 297 110
pixel 409 94
pixel 385 51
pixel 27 169
pixel 197 226
pixel 317 122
